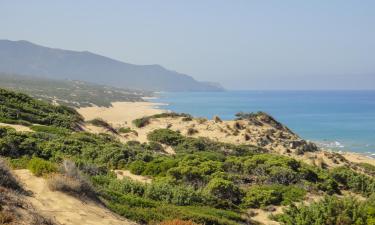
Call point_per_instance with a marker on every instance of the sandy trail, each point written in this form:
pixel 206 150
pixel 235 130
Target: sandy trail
pixel 65 209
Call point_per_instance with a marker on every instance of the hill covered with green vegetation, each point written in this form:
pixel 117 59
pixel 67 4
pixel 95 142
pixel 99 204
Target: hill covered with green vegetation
pixel 70 92
pixel 208 182
pixel 18 108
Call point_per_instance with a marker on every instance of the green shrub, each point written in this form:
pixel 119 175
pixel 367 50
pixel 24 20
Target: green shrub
pixel 224 190
pixel 330 210
pixel 141 122
pixel 19 163
pixel 353 181
pixel 137 167
pixel 126 130
pixel 264 195
pixel 165 136
pixel 40 167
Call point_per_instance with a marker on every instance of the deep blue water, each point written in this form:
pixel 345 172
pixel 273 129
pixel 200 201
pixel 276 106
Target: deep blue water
pixel 342 120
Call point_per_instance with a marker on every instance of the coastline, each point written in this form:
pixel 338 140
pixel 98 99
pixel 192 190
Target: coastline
pixel 123 113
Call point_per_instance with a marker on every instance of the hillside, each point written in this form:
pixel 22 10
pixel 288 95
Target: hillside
pixel 175 171
pixel 19 108
pixel 25 58
pixel 70 92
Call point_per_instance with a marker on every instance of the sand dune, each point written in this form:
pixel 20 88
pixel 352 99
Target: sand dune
pixel 66 210
pixel 121 113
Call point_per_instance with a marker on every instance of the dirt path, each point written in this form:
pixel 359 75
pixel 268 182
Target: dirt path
pixel 65 209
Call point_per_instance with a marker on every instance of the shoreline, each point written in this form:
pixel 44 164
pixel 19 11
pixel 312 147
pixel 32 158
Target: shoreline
pixel 123 113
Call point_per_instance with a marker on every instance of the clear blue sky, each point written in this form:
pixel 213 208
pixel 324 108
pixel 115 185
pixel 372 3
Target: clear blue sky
pixel 299 44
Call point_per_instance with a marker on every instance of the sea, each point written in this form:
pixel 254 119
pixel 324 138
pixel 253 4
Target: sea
pixel 338 120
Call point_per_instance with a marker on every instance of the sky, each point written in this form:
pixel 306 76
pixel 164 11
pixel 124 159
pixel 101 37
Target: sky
pixel 242 44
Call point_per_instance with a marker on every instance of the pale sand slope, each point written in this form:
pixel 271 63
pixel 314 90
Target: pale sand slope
pixel 121 113
pixel 16 127
pixel 66 210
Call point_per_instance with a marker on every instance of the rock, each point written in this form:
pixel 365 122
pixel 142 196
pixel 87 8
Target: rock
pixel 217 119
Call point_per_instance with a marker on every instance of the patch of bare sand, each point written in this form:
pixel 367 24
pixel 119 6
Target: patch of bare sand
pixel 16 127
pixel 63 208
pixel 126 173
pixel 121 113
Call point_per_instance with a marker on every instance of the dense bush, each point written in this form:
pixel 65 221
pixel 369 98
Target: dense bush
pixel 165 136
pixel 224 190
pixel 40 167
pixel 331 210
pixel 264 195
pixel 353 181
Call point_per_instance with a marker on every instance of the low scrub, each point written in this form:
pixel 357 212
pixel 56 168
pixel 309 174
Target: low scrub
pixel 141 122
pixel 265 195
pixel 126 130
pixel 102 123
pixel 40 167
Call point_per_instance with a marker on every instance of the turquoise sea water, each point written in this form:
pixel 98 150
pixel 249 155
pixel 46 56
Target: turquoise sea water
pixel 340 120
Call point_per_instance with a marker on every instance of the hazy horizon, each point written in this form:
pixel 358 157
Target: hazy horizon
pixel 246 45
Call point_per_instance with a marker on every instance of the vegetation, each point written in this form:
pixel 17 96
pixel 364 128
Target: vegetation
pixel 331 210
pixel 264 195
pixel 72 181
pixel 7 179
pixel 40 167
pixel 19 108
pixel 126 130
pixel 99 122
pixel 144 121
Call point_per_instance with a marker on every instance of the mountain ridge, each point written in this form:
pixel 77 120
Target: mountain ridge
pixel 26 58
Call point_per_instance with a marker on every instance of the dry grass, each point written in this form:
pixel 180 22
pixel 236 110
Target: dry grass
pixel 72 182
pixel 7 179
